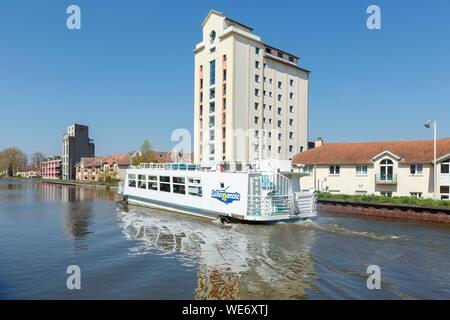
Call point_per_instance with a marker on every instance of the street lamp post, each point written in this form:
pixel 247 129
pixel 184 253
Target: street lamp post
pixel 428 125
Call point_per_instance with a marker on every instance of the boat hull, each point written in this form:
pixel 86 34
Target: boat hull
pixel 186 210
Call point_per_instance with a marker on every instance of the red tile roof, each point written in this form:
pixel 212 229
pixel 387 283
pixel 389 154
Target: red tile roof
pixel 419 151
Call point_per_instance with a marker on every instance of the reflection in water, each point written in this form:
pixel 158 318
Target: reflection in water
pixel 234 262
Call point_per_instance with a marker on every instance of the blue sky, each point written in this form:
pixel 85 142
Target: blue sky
pixel 128 73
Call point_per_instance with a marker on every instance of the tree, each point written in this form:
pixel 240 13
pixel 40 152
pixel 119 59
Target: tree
pixel 146 155
pixel 36 160
pixel 146 147
pixel 13 159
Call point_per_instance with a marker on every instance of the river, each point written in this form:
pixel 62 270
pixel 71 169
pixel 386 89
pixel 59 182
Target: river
pixel 141 253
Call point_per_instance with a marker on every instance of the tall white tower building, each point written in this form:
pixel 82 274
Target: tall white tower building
pixel 251 99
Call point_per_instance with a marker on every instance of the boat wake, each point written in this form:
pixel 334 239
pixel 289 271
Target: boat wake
pixel 334 228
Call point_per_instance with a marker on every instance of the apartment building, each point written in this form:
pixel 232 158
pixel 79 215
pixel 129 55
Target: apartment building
pixel 75 145
pixel 251 99
pixel 112 167
pixel 396 168
pixel 52 168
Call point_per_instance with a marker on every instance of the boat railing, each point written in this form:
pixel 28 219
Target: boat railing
pixel 273 205
pixel 169 166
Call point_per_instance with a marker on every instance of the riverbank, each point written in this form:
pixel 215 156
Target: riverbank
pixel 97 184
pixel 385 210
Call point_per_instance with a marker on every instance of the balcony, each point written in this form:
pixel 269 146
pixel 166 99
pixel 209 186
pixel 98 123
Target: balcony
pixel 386 179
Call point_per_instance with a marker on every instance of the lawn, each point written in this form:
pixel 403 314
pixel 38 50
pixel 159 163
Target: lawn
pixel 387 200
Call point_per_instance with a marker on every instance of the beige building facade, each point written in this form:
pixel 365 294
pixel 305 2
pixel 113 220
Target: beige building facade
pixel 251 99
pixel 400 168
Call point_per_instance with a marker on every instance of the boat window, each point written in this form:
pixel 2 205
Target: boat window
pixel 178 180
pixel 164 179
pixel 195 191
pixel 142 182
pixel 195 181
pixel 153 185
pixel 132 183
pixel 179 188
pixel 152 178
pixel 132 176
pixel 164 187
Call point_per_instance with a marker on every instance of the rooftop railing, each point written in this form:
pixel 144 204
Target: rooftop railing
pixel 169 166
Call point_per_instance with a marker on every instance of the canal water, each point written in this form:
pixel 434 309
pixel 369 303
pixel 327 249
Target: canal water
pixel 143 253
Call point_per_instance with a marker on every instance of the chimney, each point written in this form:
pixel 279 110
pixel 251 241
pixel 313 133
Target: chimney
pixel 318 142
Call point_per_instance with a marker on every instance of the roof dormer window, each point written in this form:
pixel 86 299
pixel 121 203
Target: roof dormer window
pixel 212 36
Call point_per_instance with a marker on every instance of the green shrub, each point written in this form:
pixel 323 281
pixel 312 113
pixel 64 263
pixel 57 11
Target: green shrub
pixel 383 199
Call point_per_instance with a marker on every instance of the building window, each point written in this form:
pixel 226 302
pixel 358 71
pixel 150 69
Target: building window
pixel 224 75
pixel 291 148
pixel 257 92
pixel 256 106
pixel 416 195
pixel 268 50
pixel 445 192
pixel 291 82
pixel 291 109
pixel 256 120
pixel 279 84
pixel 291 95
pixel 280 55
pixel 212 50
pixel 291 58
pixel 416 169
pixel 291 135
pixel 279 97
pixel 291 122
pixel 257 64
pixel 224 104
pixel 212 93
pixel 257 50
pixel 308 168
pixel 224 90
pixel 212 72
pixel 335 170
pixel 386 194
pixel 279 111
pixel 387 170
pixel 445 166
pixel 270 147
pixel 212 107
pixel 361 170
pixel 279 137
pixel 256 78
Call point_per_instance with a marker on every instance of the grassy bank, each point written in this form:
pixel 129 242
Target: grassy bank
pixel 386 200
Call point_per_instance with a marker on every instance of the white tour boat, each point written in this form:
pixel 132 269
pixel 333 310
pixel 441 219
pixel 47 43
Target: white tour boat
pixel 268 191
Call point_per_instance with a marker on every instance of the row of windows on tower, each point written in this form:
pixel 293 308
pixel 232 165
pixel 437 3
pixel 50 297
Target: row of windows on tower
pixel 291 108
pixel 280 83
pixel 279 53
pixel 279 97
pixel 269 147
pixel 279 122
